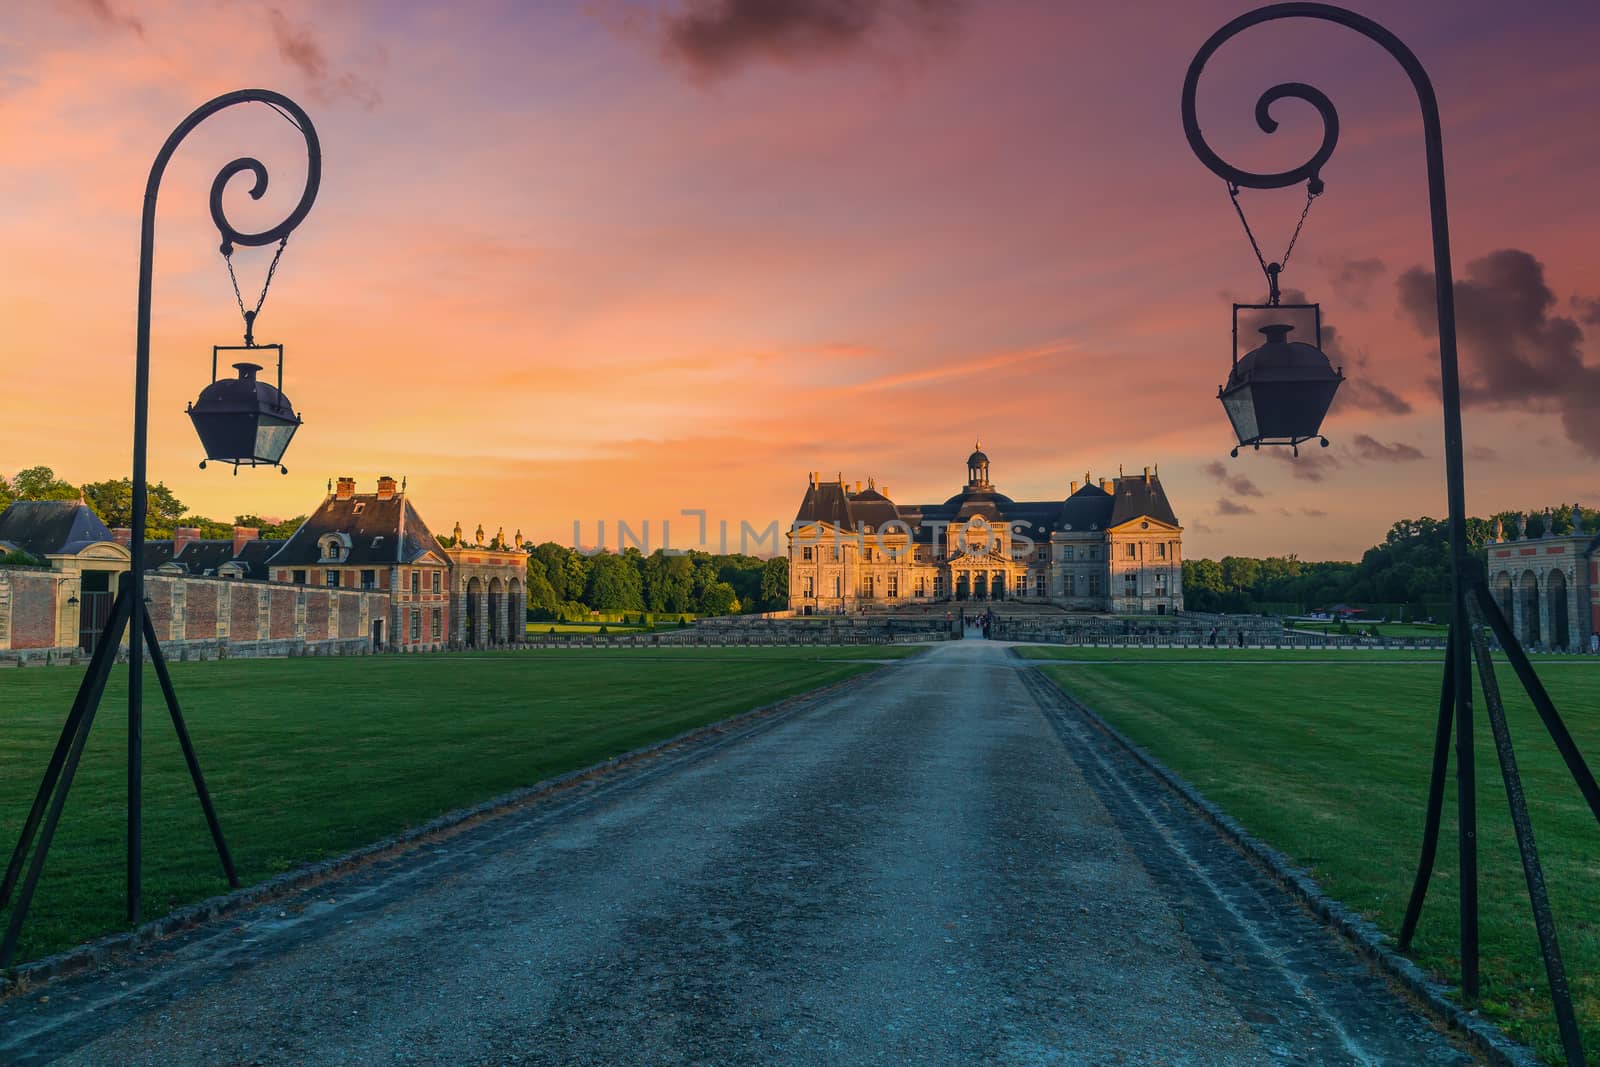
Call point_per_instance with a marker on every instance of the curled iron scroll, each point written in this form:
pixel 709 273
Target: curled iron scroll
pixel 230 234
pixel 1311 169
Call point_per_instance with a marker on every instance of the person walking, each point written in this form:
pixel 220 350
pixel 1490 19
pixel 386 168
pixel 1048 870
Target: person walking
pixel 1594 644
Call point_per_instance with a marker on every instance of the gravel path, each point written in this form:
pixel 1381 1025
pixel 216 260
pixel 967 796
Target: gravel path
pixel 937 865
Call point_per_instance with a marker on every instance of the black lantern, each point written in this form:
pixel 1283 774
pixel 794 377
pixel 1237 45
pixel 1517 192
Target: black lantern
pixel 1277 394
pixel 243 420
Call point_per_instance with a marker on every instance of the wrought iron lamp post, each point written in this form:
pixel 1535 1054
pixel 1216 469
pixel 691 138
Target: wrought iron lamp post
pixel 243 422
pixel 1473 606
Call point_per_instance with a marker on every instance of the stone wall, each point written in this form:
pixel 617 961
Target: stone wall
pixel 193 617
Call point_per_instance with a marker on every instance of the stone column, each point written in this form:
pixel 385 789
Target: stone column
pixel 1575 635
pixel 1546 631
pixel 1519 621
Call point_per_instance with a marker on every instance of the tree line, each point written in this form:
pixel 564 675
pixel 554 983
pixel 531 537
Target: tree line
pixel 1411 567
pixel 563 583
pixel 112 500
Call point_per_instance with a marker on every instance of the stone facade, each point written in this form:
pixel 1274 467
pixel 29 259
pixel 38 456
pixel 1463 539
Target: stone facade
pixel 1115 546
pixel 1548 587
pixel 465 596
pixel 488 602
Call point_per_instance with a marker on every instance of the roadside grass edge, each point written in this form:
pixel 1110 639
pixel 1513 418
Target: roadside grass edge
pixel 113 947
pixel 1485 1038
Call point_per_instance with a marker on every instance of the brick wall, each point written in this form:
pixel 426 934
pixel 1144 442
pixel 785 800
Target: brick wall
pixel 27 608
pixel 283 604
pixel 316 615
pixel 246 611
pixel 199 611
pixel 196 616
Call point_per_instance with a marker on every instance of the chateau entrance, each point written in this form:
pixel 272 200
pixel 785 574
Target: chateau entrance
pixel 963 587
pixel 95 608
pixel 980 586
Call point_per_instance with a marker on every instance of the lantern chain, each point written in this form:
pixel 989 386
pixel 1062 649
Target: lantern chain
pixel 1314 189
pixel 249 314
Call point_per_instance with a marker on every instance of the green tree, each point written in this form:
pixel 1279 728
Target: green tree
pixel 541 595
pixel 41 483
pixel 775 584
pixel 271 530
pixel 613 584
pixel 1240 574
pixel 719 598
pixel 6 493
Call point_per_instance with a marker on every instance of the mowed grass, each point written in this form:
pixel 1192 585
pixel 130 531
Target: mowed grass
pixel 310 758
pixel 1327 756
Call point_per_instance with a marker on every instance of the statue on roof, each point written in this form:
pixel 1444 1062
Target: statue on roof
pixel 478 540
pixel 455 539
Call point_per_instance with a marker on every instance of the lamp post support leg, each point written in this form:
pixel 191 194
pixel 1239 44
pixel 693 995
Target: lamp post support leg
pixel 1533 872
pixel 8 947
pixel 1467 809
pixel 136 743
pixel 159 661
pixel 89 693
pixel 1541 699
pixel 1430 826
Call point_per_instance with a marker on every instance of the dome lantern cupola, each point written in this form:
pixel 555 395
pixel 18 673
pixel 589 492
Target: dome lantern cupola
pixel 977 467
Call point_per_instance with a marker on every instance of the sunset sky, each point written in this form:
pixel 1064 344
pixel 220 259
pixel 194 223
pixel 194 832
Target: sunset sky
pixel 613 260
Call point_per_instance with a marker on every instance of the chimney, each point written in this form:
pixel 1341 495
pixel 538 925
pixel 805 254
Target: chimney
pixel 813 479
pixel 346 490
pixel 858 487
pixel 1074 489
pixel 385 488
pixel 1105 485
pixel 1147 476
pixel 243 535
pixel 884 490
pixel 182 536
pixel 122 535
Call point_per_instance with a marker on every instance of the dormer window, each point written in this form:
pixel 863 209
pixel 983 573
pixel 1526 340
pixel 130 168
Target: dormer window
pixel 376 541
pixel 360 506
pixel 333 547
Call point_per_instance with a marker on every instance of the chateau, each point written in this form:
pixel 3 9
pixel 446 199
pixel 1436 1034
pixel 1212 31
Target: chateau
pixel 1115 546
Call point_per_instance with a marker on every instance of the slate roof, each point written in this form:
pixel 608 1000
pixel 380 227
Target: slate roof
pixel 52 527
pixel 380 531
pixel 1137 498
pixel 202 559
pixel 1090 508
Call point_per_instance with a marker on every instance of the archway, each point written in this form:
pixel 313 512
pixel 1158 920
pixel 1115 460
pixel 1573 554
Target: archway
pixel 1529 584
pixel 497 612
pixel 963 586
pixel 516 611
pixel 1503 595
pixel 473 615
pixel 980 586
pixel 997 585
pixel 1556 596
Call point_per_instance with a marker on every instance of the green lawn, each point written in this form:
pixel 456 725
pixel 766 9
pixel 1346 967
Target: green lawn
pixel 309 758
pixel 1326 757
pixel 1385 629
pixel 544 629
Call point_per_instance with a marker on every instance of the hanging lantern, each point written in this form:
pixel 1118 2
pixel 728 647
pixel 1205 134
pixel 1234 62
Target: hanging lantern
pixel 1278 393
pixel 244 421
